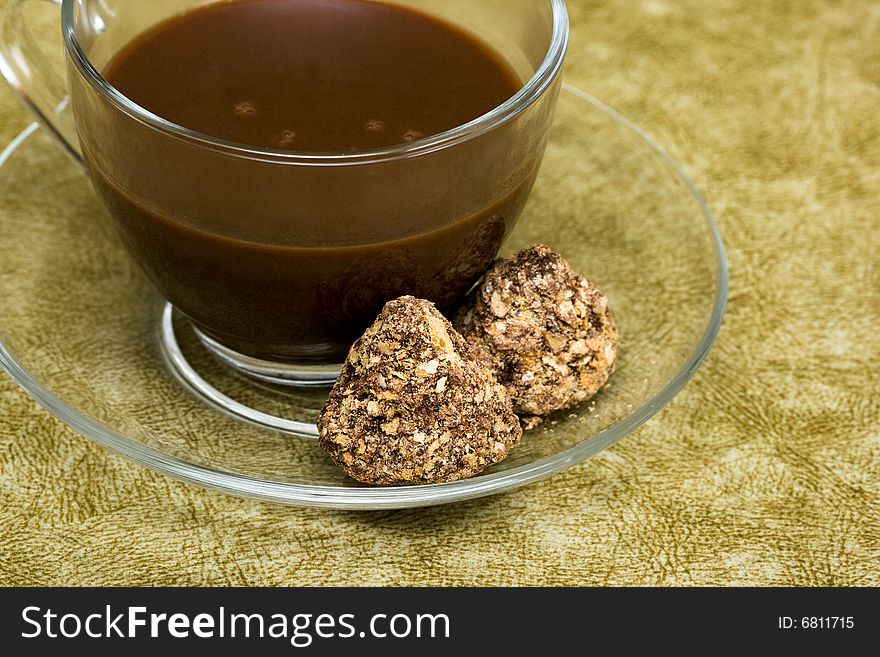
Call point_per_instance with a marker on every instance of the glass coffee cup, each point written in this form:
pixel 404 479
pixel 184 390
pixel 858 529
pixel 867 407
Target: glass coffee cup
pixel 282 297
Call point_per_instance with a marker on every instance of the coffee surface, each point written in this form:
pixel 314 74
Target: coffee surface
pixel 312 75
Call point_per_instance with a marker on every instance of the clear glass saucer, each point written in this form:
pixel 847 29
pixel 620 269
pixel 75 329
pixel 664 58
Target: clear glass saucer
pixel 81 329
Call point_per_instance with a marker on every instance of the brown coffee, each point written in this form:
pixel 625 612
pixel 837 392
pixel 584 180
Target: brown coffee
pixel 287 282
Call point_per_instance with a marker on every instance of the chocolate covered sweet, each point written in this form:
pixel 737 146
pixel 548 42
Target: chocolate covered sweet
pixel 545 331
pixel 412 405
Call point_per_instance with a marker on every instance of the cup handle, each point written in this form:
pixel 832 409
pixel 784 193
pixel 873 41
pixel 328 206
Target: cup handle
pixel 36 75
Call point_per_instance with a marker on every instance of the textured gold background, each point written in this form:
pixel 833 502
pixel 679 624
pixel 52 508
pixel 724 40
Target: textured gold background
pixel 765 470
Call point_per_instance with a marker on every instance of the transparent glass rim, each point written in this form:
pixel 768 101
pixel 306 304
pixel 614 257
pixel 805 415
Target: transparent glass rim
pixel 339 497
pixel 533 90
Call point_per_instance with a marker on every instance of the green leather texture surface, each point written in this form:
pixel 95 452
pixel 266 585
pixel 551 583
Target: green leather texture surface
pixel 764 471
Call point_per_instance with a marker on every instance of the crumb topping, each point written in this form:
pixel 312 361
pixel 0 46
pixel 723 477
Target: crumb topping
pixel 413 405
pixel 545 331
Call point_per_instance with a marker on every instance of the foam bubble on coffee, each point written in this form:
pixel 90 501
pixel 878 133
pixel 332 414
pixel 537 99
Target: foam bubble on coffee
pixel 287 138
pixel 245 108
